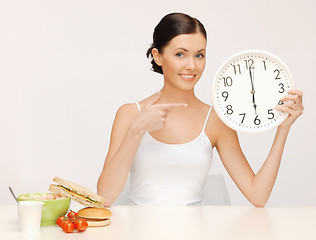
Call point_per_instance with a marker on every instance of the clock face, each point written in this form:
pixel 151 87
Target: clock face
pixel 246 89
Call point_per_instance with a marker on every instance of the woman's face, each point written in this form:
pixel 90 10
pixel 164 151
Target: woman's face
pixel 183 60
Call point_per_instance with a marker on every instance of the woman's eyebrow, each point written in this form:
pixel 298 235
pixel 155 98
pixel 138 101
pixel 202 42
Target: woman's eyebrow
pixel 182 49
pixel 203 49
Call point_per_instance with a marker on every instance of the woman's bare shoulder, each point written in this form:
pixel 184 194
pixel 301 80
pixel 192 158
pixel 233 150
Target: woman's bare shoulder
pixel 131 109
pixel 127 108
pixel 127 111
pixel 124 116
pixel 216 128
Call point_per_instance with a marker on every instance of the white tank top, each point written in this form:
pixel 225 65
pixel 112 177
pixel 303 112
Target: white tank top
pixel 170 174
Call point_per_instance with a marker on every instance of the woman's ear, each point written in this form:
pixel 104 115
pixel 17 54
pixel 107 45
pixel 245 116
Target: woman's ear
pixel 156 56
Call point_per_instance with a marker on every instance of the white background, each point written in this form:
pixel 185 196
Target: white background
pixel 67 66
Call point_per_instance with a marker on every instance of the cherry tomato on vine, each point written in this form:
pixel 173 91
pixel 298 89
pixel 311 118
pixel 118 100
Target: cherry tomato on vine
pixel 60 221
pixel 68 226
pixel 74 219
pixel 72 214
pixel 81 225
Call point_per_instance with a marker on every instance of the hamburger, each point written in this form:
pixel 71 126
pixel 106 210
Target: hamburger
pixel 77 193
pixel 95 217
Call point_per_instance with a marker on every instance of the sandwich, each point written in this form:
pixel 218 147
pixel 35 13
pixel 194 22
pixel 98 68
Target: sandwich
pixel 77 193
pixel 95 217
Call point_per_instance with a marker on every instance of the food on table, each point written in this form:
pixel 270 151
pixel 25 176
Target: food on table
pixel 40 196
pixel 81 224
pixel 95 217
pixel 77 193
pixel 72 214
pixel 68 226
pixel 54 205
pixel 72 222
pixel 60 221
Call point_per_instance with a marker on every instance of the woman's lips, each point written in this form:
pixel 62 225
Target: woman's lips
pixel 187 77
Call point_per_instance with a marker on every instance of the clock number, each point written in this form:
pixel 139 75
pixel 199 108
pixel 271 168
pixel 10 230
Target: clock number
pixel 229 109
pixel 278 73
pixel 249 62
pixel 280 103
pixel 264 65
pixel 282 88
pixel 228 81
pixel 271 114
pixel 243 118
pixel 257 121
pixel 225 95
pixel 235 69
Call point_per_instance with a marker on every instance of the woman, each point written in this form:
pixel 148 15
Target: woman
pixel 165 141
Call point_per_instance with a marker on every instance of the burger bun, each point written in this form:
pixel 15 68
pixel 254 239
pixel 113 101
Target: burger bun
pixel 95 217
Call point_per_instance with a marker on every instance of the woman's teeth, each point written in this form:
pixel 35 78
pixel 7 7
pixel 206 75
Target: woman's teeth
pixel 187 76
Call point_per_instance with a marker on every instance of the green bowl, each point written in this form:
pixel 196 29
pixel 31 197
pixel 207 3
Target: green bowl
pixel 52 209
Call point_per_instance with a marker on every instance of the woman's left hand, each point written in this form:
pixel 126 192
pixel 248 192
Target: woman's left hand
pixel 292 105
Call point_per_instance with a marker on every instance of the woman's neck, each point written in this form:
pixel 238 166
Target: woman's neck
pixel 173 95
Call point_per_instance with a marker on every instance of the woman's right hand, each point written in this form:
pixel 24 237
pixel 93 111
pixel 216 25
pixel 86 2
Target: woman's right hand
pixel 153 116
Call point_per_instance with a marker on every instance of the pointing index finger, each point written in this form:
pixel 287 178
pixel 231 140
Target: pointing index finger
pixel 171 106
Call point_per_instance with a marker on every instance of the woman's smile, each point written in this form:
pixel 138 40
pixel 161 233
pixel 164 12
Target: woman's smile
pixel 188 77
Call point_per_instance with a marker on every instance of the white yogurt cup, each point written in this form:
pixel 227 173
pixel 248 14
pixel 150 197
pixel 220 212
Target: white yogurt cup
pixel 30 215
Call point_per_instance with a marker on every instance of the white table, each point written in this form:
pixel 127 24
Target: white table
pixel 181 222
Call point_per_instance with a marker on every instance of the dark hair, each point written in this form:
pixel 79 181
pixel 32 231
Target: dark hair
pixel 169 27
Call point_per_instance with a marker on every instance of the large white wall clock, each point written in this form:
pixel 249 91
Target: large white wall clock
pixel 246 89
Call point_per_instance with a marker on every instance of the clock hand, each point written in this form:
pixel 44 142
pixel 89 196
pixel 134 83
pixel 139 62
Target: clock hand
pixel 254 103
pixel 253 91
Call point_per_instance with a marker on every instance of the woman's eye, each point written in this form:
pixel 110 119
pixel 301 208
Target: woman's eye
pixel 179 54
pixel 200 56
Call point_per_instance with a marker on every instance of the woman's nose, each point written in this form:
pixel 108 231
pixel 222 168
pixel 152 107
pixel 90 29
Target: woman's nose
pixel 190 64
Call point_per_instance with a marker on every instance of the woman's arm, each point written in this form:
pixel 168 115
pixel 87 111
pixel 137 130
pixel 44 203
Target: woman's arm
pixel 256 187
pixel 124 143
